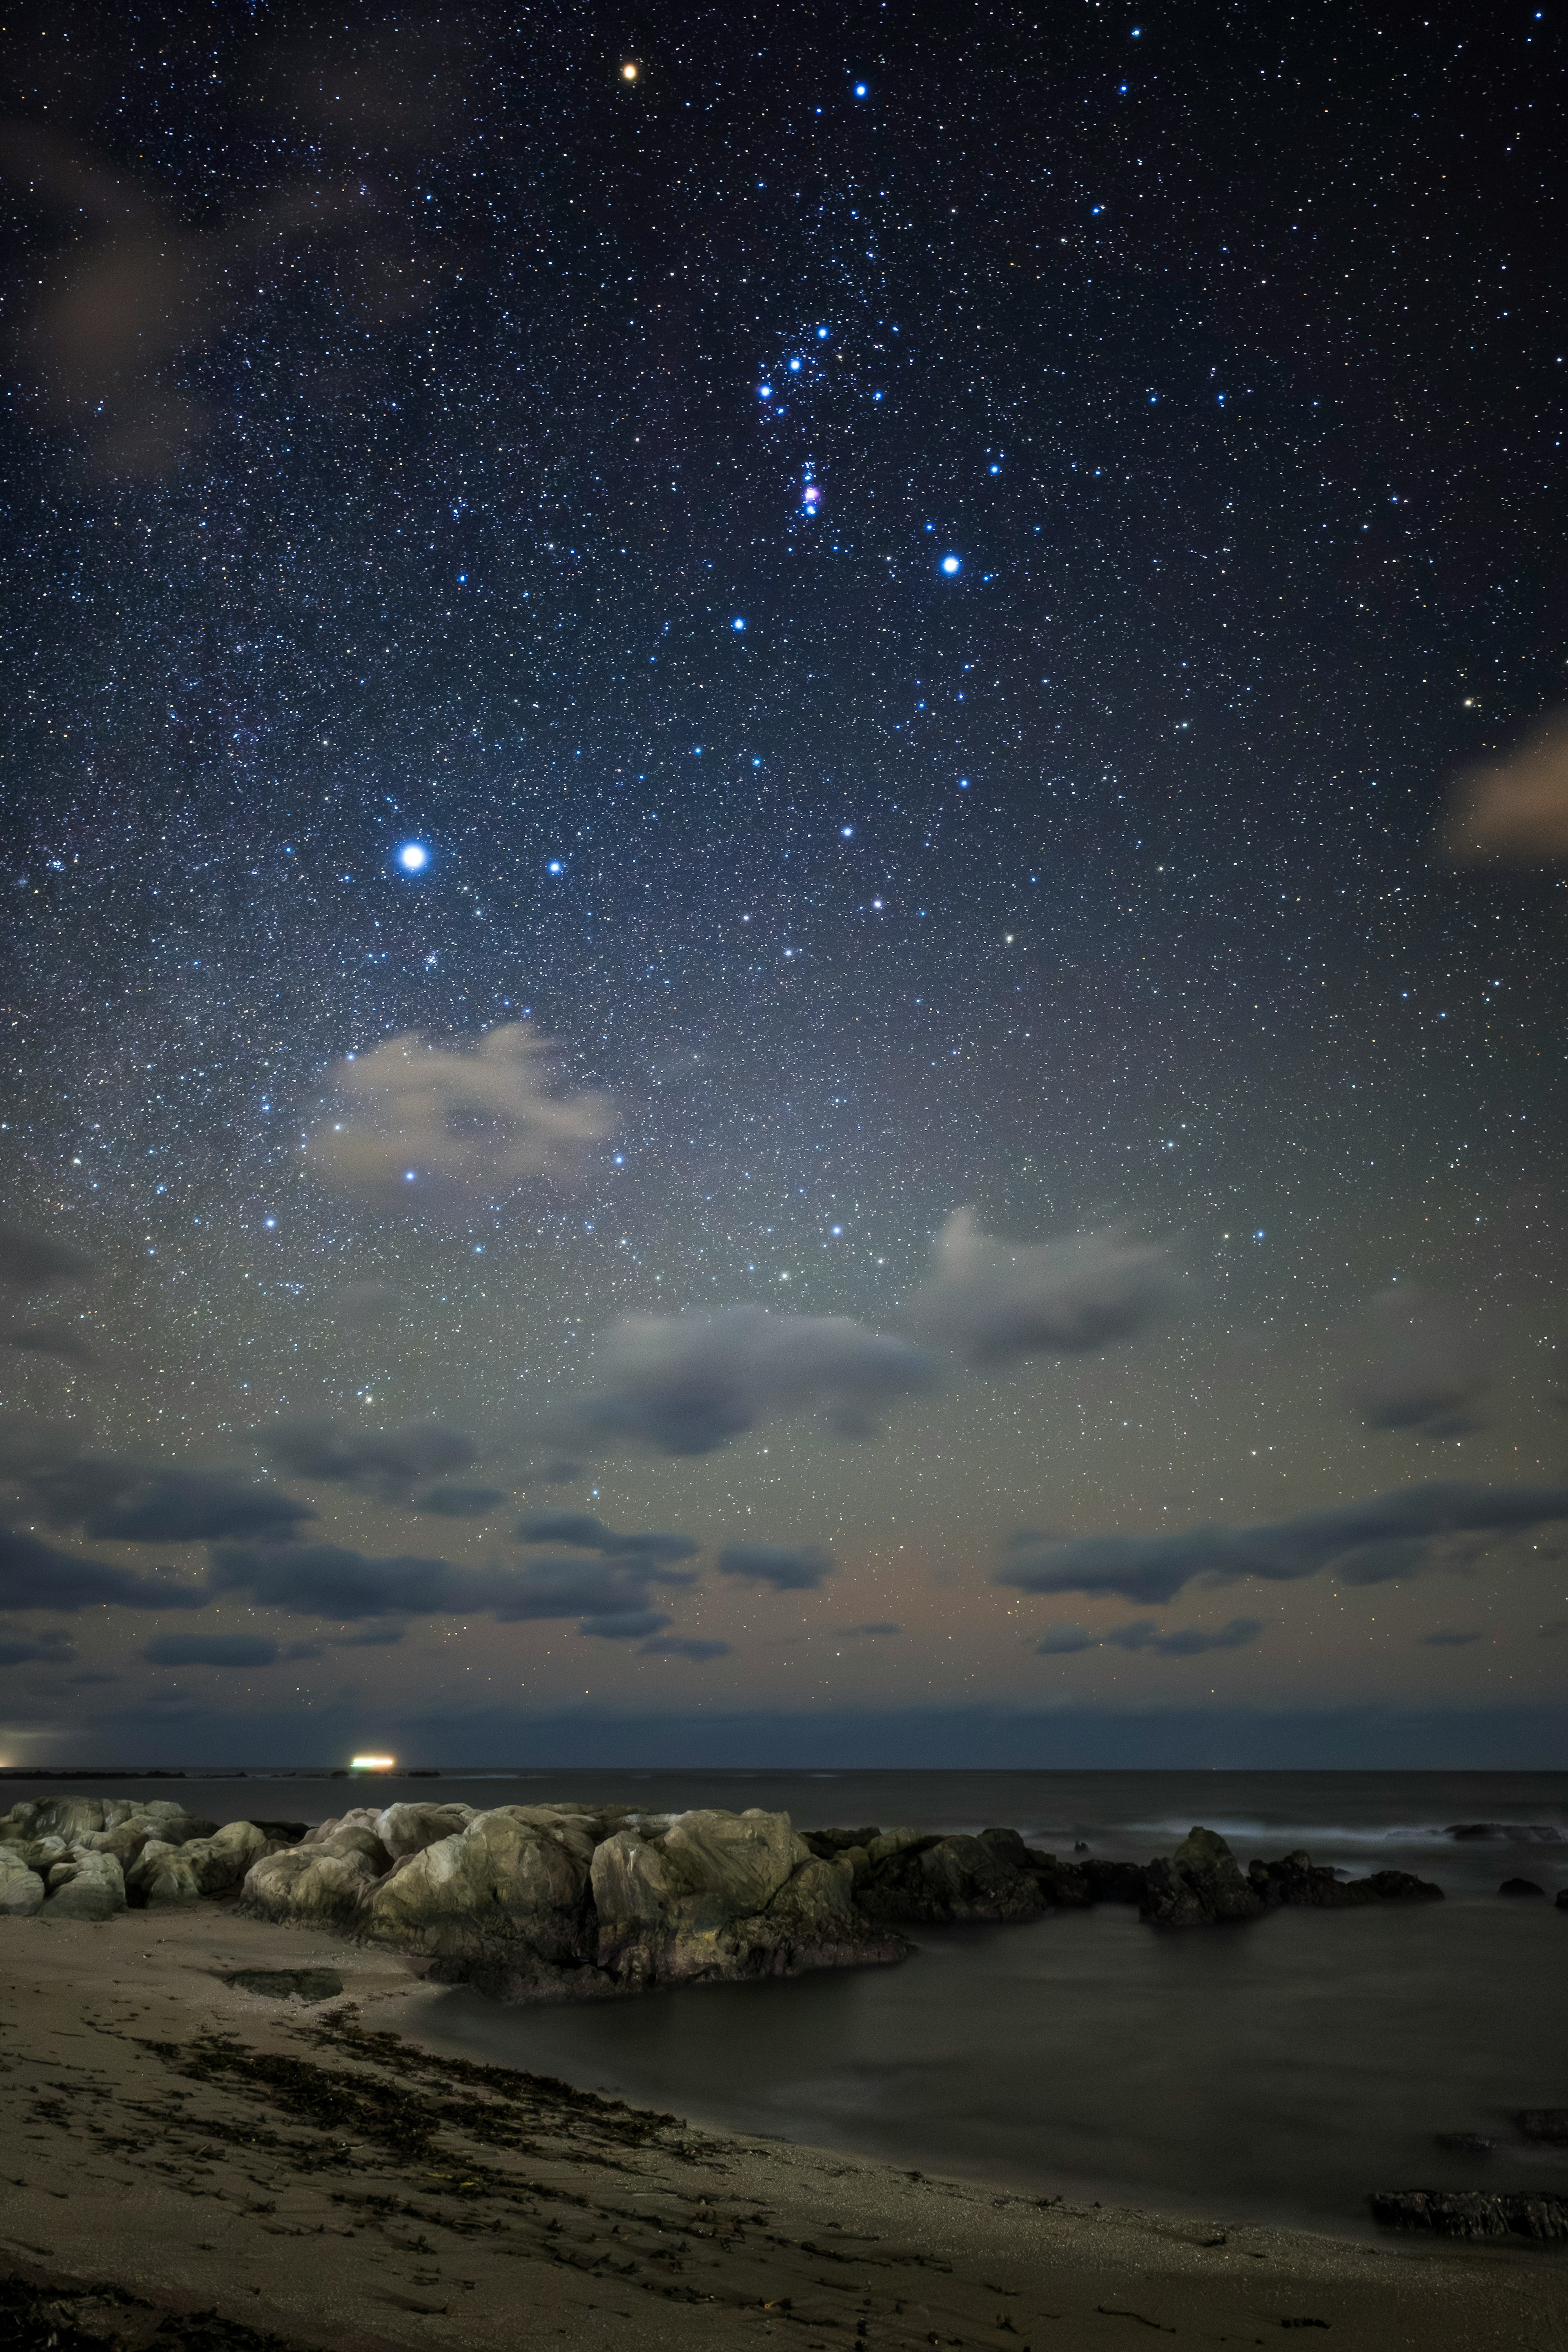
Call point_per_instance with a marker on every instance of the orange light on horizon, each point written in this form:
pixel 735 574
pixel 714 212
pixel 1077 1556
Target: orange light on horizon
pixel 372 1763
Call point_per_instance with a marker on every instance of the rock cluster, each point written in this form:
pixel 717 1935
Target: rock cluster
pixel 90 1857
pixel 1473 2212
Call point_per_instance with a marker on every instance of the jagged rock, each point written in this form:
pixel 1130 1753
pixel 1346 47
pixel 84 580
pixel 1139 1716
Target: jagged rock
pixel 1399 1886
pixel 21 1889
pixel 1296 1879
pixel 1520 1833
pixel 95 1888
pixel 1525 1886
pixel 1107 1882
pixel 1473 2212
pixel 322 1882
pixel 908 1877
pixel 161 1878
pixel 501 1900
pixel 1201 1882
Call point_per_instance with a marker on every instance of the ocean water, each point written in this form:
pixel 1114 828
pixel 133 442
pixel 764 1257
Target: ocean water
pixel 1278 2070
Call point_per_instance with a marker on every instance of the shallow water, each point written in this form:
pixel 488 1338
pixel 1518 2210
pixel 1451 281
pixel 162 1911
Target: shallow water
pixel 1278 2070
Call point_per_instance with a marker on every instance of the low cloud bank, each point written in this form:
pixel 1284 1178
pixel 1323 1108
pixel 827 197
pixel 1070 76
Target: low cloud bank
pixel 1387 1538
pixel 583 1532
pixel 993 1302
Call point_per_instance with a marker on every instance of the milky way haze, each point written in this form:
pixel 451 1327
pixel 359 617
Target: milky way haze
pixel 786 847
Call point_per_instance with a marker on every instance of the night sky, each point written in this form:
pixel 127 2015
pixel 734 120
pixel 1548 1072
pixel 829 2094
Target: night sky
pixel 786 862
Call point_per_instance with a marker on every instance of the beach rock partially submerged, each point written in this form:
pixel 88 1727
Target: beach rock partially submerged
pixel 1473 2212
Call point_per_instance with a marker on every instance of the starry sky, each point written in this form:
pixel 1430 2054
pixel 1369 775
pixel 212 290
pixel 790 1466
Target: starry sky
pixel 785 849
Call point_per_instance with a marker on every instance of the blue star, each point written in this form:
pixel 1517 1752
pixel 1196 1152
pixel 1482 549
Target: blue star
pixel 413 856
pixel 952 563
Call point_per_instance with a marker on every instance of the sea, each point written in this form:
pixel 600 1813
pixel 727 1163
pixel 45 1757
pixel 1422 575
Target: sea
pixel 1278 2071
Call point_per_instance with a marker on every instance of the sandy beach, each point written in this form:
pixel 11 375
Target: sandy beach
pixel 171 2145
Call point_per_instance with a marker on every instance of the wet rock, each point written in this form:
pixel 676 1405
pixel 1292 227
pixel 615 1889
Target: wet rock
pixel 1542 2123
pixel 1525 1886
pixel 1519 1832
pixel 1473 2212
pixel 21 1889
pixel 95 1888
pixel 502 1900
pixel 1201 1882
pixel 1110 1882
pixel 1296 1879
pixel 911 1879
pixel 307 1985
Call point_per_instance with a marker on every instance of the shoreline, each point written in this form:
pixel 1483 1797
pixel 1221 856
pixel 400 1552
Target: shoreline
pixel 316 2178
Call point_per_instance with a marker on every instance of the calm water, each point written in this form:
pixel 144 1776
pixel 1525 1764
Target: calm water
pixel 1275 2070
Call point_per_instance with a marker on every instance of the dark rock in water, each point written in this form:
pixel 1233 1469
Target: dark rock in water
pixel 1464 2143
pixel 1465 1830
pixel 1542 2123
pixel 309 1985
pixel 1520 1886
pixel 1201 1882
pixel 909 1879
pixel 1397 1886
pixel 1110 1882
pixel 1296 1879
pixel 1522 1832
pixel 1473 2212
pixel 1563 1898
pixel 1080 1845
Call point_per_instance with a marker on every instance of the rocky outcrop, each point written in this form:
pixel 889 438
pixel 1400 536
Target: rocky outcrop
pixel 21 1888
pixel 1296 1879
pixel 1473 2213
pixel 90 1857
pixel 87 1886
pixel 1518 1887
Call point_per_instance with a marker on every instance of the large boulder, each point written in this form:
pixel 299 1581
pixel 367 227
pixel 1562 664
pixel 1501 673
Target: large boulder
pixel 502 1899
pixel 324 1883
pixel 21 1889
pixel 87 1886
pixel 1201 1882
pixel 909 1878
pixel 405 1829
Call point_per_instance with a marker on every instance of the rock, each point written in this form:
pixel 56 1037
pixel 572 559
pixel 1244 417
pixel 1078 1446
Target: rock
pixel 1520 1833
pixel 164 1874
pixel 95 1889
pixel 1464 2143
pixel 1110 1882
pixel 502 1901
pixel 407 1828
pixel 307 1985
pixel 1296 1879
pixel 825 1843
pixel 1563 1898
pixel 21 1889
pixel 1202 1882
pixel 1542 2123
pixel 1398 1886
pixel 1473 2213
pixel 1526 1886
pixel 325 1881
pixel 907 1878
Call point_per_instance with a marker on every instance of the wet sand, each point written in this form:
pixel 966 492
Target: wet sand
pixel 312 2176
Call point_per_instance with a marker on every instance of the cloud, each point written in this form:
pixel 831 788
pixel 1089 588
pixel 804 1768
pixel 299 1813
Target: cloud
pixel 1186 1641
pixel 35 1649
pixel 34 1575
pixel 688 1384
pixel 1513 810
pixel 866 1633
pixel 1066 1641
pixel 629 1625
pixel 461 1502
pixel 330 1580
pixel 61 1340
pixel 362 1304
pixel 683 1645
pixel 381 1462
pixel 210 1650
pixel 1426 1371
pixel 115 1500
pixel 373 1637
pixel 35 1261
pixel 585 1533
pixel 786 1570
pixel 1449 1637
pixel 456 1124
pixel 995 1302
pixel 1372 1542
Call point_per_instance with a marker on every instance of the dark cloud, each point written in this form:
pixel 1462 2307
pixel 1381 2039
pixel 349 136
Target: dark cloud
pixel 210 1650
pixel 1426 1372
pixel 388 1463
pixel 682 1646
pixel 629 1625
pixel 866 1633
pixel 786 1569
pixel 1515 811
pixel 373 1637
pixel 461 1502
pixel 35 1261
pixel 1449 1637
pixel 191 1507
pixel 461 1125
pixel 585 1533
pixel 1186 1642
pixel 61 1340
pixel 1371 1542
pixel 35 1650
pixel 34 1575
pixel 995 1302
pixel 330 1580
pixel 1066 1642
pixel 688 1384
